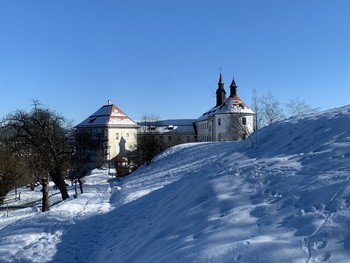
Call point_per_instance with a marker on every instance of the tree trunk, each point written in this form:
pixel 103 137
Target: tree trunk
pixel 45 201
pixel 58 179
pixel 75 187
pixel 61 185
pixel 80 185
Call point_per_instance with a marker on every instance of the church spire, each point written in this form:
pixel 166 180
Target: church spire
pixel 220 79
pixel 233 88
pixel 220 92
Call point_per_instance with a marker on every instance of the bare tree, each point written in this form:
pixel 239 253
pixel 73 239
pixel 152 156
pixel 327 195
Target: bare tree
pixel 257 108
pixel 297 107
pixel 81 144
pixel 272 110
pixel 12 172
pixel 41 135
pixel 268 110
pixel 148 143
pixel 235 128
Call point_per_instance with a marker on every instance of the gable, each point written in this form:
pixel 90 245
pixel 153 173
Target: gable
pixel 108 116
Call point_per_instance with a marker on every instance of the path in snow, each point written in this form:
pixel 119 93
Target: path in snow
pixel 64 234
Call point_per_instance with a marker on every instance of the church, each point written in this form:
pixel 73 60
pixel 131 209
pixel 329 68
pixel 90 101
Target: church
pixel 229 120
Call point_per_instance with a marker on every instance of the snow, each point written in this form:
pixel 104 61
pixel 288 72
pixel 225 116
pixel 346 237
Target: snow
pixel 171 126
pixel 232 105
pixel 284 200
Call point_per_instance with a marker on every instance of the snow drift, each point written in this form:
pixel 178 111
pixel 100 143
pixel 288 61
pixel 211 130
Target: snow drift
pixel 285 199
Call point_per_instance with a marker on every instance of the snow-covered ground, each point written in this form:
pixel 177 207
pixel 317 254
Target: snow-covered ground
pixel 284 200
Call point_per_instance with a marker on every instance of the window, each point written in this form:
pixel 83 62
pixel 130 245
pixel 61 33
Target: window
pixel 117 136
pixel 92 119
pixel 244 121
pixel 219 122
pixel 127 135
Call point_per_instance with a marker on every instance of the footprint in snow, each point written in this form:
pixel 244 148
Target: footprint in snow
pixel 323 257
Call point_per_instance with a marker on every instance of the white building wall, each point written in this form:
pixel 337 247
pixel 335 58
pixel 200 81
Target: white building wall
pixel 121 140
pixel 204 130
pixel 219 127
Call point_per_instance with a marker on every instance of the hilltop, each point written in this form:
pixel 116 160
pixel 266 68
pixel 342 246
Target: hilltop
pixel 283 199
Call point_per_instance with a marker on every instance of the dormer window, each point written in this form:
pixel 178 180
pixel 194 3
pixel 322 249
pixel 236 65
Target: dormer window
pixel 92 120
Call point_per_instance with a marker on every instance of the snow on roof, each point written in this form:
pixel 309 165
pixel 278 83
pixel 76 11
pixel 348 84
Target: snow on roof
pixel 233 104
pixel 171 125
pixel 108 115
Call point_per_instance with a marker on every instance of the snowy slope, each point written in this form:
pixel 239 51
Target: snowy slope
pixel 284 200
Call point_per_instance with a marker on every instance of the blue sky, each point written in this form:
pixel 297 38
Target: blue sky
pixel 164 57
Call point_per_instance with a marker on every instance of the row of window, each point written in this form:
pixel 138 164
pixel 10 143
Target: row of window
pixel 177 138
pixel 207 126
pixel 243 121
pixel 204 126
pixel 97 131
pixel 204 138
pixel 117 135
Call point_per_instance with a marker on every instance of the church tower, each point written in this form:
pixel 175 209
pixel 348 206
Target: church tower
pixel 233 89
pixel 220 92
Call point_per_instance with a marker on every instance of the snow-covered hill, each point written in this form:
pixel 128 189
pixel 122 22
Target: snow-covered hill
pixel 284 200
